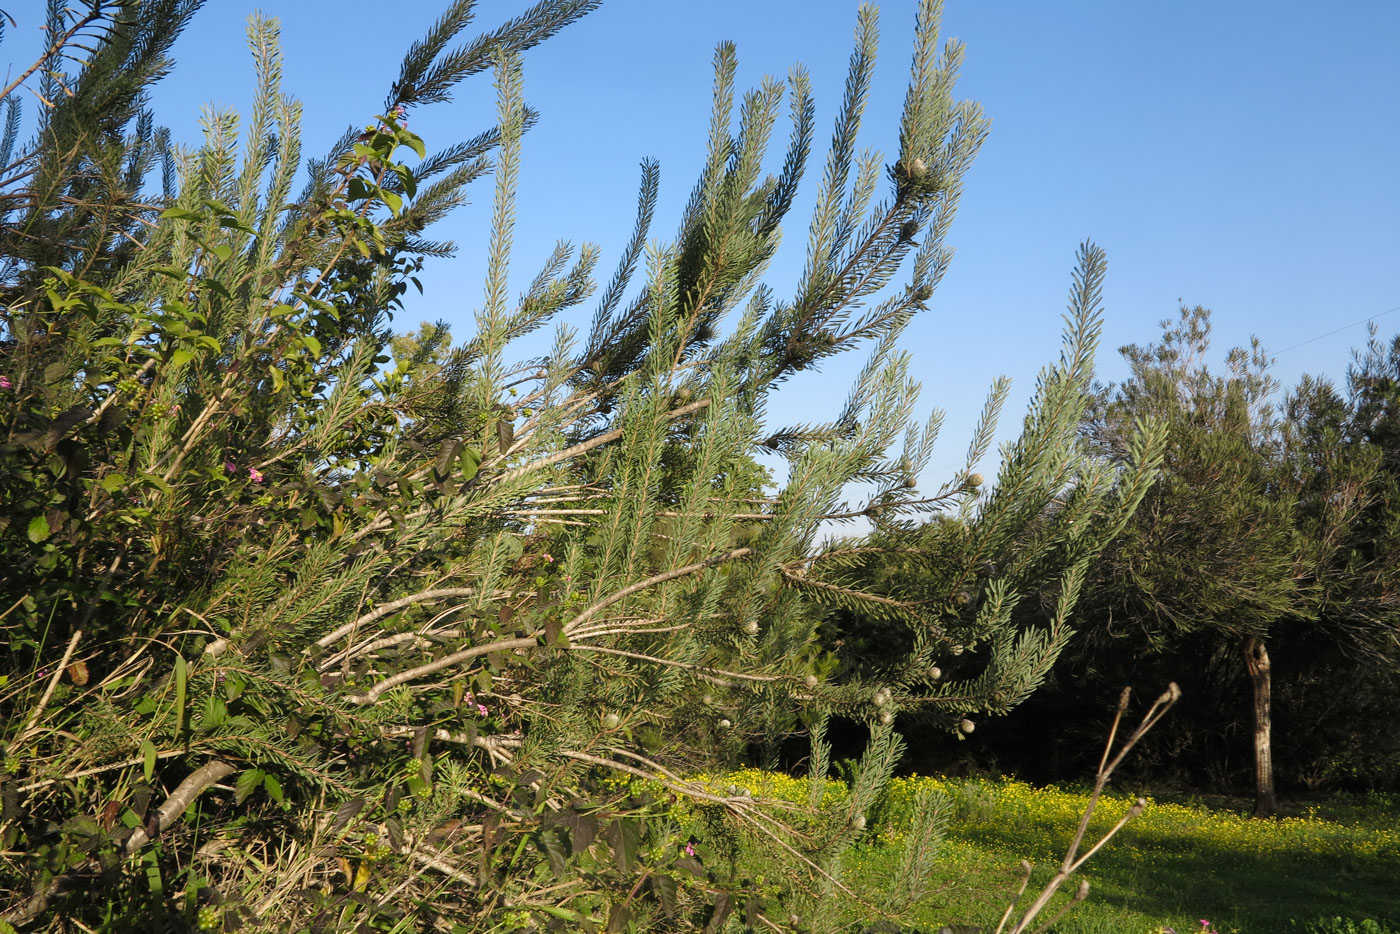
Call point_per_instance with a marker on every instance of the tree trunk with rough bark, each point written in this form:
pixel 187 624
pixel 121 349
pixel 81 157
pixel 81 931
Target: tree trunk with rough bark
pixel 1256 657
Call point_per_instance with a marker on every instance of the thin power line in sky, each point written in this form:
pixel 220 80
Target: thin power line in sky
pixel 1336 331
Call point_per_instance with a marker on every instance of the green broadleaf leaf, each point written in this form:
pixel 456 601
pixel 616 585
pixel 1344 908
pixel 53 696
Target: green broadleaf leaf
pixel 248 782
pixel 223 251
pixel 113 482
pixel 273 788
pixel 180 214
pixel 158 482
pixel 38 529
pixel 471 462
pixel 312 344
pixel 148 759
pixel 181 356
pixel 214 285
pixel 233 223
pixel 318 303
pixel 182 675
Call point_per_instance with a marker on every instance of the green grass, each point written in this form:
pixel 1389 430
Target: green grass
pixel 1176 863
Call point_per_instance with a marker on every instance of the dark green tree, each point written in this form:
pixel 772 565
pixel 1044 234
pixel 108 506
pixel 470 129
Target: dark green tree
pixel 1247 535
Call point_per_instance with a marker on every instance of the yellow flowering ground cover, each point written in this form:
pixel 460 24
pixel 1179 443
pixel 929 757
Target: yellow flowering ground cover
pixel 1173 866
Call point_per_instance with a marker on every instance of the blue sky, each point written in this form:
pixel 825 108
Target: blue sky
pixel 1236 155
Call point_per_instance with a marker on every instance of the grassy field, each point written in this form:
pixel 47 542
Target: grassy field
pixel 1177 863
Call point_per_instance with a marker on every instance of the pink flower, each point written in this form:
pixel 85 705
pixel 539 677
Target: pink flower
pixel 549 557
pixel 481 709
pixel 689 850
pixel 230 467
pixel 255 475
pixel 5 382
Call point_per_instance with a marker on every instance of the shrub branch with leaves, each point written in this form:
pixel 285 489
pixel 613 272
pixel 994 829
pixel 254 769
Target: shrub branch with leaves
pixel 309 637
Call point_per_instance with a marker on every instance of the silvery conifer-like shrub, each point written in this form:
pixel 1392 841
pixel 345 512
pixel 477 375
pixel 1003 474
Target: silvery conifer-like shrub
pixel 313 629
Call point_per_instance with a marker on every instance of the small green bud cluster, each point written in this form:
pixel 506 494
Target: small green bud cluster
pixel 375 849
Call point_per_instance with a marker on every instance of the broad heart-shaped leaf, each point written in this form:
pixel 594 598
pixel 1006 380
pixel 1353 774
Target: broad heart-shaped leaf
pixel 181 356
pixel 157 482
pixel 724 906
pixel 549 842
pixel 471 461
pixel 234 223
pixel 38 529
pixel 345 813
pixel 665 888
pixel 618 918
pixel 691 865
pixel 247 783
pixel 413 141
pixel 214 285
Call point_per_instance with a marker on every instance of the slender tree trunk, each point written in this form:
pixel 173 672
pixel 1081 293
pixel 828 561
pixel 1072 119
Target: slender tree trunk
pixel 1256 657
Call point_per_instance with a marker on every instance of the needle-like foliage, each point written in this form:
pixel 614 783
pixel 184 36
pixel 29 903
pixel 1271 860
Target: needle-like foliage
pixel 305 636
